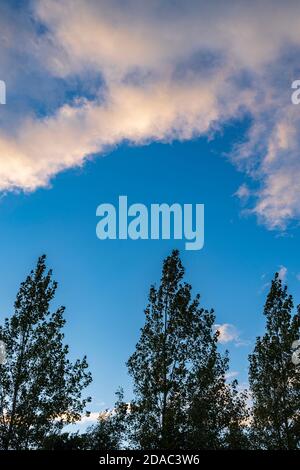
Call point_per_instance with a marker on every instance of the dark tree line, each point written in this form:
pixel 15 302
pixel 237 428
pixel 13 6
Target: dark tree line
pixel 182 399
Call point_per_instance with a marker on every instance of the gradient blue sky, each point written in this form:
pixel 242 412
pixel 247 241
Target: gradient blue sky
pixel 205 119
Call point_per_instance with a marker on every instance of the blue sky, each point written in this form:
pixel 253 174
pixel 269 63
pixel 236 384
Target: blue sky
pixel 104 284
pixel 193 108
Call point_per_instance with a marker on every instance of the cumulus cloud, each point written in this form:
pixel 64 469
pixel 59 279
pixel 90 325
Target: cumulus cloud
pixel 94 74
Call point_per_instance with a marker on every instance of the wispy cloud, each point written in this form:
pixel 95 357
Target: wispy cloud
pixel 243 192
pixel 91 418
pixel 228 333
pixel 100 73
pixel 282 273
pixel 231 375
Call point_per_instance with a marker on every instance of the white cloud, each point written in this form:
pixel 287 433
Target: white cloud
pixel 156 71
pixel 227 333
pixel 91 419
pixel 282 273
pixel 231 375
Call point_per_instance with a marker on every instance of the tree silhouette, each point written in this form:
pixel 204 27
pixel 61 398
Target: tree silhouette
pixel 40 389
pixel 274 379
pixel 182 399
pixel 110 431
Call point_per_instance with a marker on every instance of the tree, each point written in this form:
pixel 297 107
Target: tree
pixel 182 399
pixel 65 441
pixel 40 389
pixel 217 412
pixel 109 432
pixel 274 379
